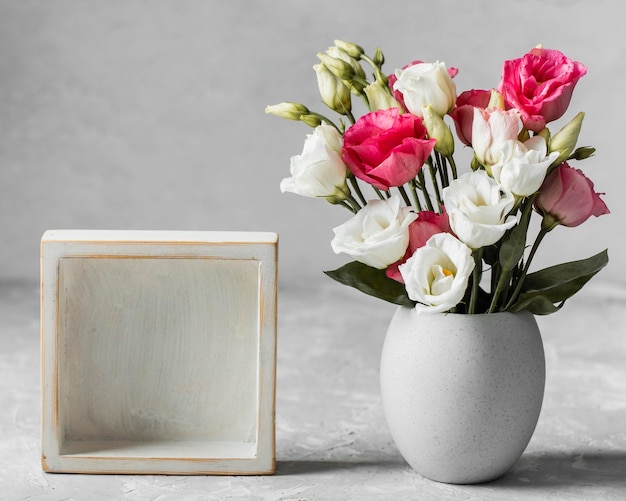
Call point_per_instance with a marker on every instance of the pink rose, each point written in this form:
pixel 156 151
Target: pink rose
pixel 463 112
pixel 568 197
pixel 393 79
pixel 425 226
pixel 385 148
pixel 540 85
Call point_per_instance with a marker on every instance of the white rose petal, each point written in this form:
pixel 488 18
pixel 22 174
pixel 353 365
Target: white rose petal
pixel 426 84
pixel 378 235
pixel 478 207
pixel 331 137
pixel 319 171
pixel 523 166
pixel 437 274
pixel 490 130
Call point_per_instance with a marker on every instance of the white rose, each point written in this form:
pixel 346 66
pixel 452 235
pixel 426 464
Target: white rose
pixel 426 84
pixel 523 166
pixel 377 235
pixel 490 130
pixel 478 208
pixel 437 274
pixel 319 171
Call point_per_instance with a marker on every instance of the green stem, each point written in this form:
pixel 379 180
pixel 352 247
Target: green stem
pixel 350 116
pixel 476 276
pixel 357 189
pixel 405 197
pixel 443 170
pixel 422 180
pixel 413 185
pixel 452 166
pixel 542 233
pixel 377 69
pixel 502 283
pixel 433 178
pixel 379 193
pixel 353 203
pixel 326 120
pixel 496 269
pixel 346 205
pixel 518 287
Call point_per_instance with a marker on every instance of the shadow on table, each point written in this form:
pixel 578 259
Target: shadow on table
pixel 306 466
pixel 578 468
pixel 535 470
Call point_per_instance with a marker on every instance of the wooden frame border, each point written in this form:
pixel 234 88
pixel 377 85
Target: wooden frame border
pixel 59 244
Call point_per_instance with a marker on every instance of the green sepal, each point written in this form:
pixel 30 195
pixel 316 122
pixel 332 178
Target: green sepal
pixel 557 283
pixel 371 281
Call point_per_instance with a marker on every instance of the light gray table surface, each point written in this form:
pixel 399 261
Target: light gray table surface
pixel 332 442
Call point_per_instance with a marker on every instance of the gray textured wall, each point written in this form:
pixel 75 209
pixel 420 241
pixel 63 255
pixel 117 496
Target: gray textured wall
pixel 149 115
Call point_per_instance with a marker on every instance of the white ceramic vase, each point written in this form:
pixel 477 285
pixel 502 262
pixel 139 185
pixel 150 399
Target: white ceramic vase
pixel 462 393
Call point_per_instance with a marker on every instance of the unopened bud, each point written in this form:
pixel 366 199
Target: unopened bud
pixel 311 120
pixel 288 110
pixel 340 68
pixel 475 163
pixel 379 57
pixel 582 153
pixel 357 80
pixel 335 94
pixel 349 48
pixel 565 140
pixel 380 98
pixel 437 129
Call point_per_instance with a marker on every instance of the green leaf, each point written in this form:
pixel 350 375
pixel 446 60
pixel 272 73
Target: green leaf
pixel 490 255
pixel 513 246
pixel 371 281
pixel 537 305
pixel 514 242
pixel 558 283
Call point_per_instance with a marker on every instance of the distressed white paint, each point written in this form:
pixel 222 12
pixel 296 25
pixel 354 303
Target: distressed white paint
pixel 158 351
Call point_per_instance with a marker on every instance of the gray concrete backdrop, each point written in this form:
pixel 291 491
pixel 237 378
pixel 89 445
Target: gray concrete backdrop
pixel 150 115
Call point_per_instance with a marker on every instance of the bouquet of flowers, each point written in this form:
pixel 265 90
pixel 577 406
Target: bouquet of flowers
pixel 429 236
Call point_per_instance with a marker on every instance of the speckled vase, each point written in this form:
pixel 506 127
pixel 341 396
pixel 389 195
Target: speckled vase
pixel 462 393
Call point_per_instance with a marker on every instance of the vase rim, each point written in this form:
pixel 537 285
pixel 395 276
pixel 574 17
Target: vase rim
pixel 446 313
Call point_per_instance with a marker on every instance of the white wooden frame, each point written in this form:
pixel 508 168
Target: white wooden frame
pixel 158 352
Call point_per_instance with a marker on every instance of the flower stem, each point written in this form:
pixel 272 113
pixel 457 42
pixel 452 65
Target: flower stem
pixel 379 193
pixel 357 189
pixel 405 197
pixel 413 185
pixel 433 177
pixel 452 166
pixel 347 206
pixel 377 69
pixel 353 203
pixel 443 170
pixel 422 180
pixel 518 287
pixel 502 283
pixel 326 120
pixel 476 276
